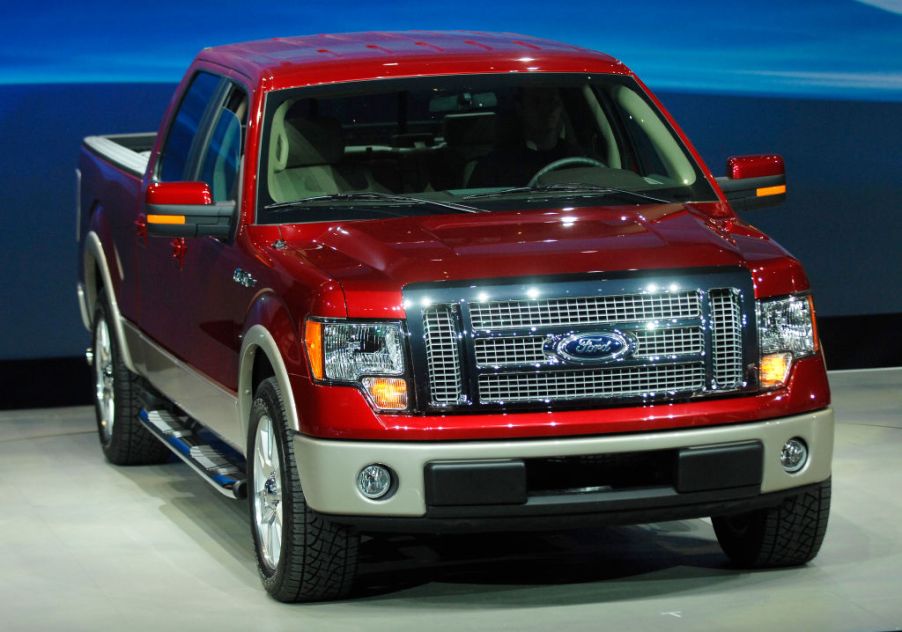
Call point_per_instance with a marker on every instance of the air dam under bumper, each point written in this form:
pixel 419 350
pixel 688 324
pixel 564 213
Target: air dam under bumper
pixel 329 469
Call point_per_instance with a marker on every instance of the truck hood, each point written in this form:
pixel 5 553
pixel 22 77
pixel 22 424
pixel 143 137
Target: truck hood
pixel 374 260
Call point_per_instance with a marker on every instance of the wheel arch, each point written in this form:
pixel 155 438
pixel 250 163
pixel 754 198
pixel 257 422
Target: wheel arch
pixel 261 358
pixel 97 276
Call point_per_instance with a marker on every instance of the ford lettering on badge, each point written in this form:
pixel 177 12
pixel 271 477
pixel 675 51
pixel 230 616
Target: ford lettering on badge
pixel 592 348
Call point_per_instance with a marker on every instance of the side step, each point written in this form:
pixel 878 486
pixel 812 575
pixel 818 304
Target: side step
pixel 205 459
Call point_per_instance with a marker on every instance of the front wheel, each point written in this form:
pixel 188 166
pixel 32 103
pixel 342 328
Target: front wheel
pixel 301 556
pixel 789 534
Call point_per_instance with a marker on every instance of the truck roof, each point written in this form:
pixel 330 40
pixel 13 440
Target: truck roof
pixel 310 59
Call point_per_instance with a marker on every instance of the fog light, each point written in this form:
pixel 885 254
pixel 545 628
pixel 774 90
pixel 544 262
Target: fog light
pixel 387 393
pixel 374 481
pixel 774 369
pixel 794 455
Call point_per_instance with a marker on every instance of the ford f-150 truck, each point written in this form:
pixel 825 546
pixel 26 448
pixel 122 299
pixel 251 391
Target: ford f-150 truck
pixel 448 282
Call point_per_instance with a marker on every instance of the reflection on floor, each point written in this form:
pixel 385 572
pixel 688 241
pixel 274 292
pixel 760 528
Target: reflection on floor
pixel 85 545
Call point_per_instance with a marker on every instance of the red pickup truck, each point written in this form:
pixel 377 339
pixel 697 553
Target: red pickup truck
pixel 448 282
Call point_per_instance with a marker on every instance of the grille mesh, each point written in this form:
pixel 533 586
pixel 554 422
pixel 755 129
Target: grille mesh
pixel 726 318
pixel 442 354
pixel 598 383
pixel 499 351
pixel 591 309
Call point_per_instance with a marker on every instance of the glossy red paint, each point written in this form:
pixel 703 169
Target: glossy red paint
pixel 373 260
pixel 187 193
pixel 739 167
pixel 357 269
pixel 342 412
pixel 312 59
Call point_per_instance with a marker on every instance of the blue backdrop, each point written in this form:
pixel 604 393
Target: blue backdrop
pixel 819 82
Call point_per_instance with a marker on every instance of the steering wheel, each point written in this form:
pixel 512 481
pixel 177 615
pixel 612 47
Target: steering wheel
pixel 564 162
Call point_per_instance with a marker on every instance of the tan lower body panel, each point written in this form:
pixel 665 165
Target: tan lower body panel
pixel 328 469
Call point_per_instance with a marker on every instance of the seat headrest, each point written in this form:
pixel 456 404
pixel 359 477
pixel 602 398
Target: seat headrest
pixel 311 142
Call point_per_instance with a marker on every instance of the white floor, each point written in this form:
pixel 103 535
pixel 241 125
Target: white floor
pixel 88 546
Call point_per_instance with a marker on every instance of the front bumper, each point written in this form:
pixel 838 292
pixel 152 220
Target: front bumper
pixel 328 471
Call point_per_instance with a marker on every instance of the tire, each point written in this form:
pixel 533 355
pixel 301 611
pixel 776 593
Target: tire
pixel 790 534
pixel 301 556
pixel 123 439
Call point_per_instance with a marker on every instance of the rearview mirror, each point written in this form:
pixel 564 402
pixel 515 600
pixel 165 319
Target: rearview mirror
pixel 754 181
pixel 186 209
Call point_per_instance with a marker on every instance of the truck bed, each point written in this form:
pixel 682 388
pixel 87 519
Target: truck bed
pixel 130 152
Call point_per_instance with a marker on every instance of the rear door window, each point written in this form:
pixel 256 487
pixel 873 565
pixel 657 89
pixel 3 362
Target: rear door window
pixel 183 139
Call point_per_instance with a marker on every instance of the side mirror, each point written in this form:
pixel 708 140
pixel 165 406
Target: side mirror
pixel 186 209
pixel 754 181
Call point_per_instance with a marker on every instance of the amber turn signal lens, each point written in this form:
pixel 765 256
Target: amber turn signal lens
pixel 774 369
pixel 387 393
pixel 165 219
pixel 814 334
pixel 313 337
pixel 780 189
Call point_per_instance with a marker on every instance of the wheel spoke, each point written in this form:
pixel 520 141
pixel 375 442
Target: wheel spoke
pixel 104 379
pixel 270 447
pixel 276 547
pixel 259 470
pixel 267 542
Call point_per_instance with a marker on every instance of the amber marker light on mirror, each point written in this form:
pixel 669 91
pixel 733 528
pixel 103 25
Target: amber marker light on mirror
pixel 313 339
pixel 165 219
pixel 387 393
pixel 774 369
pixel 777 190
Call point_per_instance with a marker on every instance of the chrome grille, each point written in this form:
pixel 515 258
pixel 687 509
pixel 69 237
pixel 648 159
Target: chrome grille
pixel 637 381
pixel 726 340
pixel 670 342
pixel 442 355
pixel 492 352
pixel 687 339
pixel 500 351
pixel 590 309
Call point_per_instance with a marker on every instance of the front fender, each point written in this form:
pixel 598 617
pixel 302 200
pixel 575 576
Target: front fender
pixel 270 330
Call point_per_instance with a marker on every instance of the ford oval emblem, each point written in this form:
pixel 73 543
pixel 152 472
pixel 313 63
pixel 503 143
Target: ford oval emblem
pixel 594 347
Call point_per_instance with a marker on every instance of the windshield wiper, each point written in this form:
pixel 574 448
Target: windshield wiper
pixel 569 187
pixel 352 196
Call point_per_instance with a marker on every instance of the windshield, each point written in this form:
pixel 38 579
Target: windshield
pixel 468 143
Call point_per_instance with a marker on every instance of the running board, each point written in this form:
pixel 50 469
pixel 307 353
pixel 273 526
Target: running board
pixel 203 458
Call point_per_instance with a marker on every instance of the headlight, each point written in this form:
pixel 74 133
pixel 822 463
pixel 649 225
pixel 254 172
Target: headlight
pixel 787 330
pixel 347 352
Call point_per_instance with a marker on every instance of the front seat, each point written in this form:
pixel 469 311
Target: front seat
pixel 305 160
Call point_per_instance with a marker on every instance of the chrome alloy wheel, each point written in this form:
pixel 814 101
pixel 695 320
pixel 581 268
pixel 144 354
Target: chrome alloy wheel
pixel 267 492
pixel 103 379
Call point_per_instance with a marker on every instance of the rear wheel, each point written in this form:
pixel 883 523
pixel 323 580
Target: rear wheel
pixel 123 439
pixel 301 556
pixel 789 534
